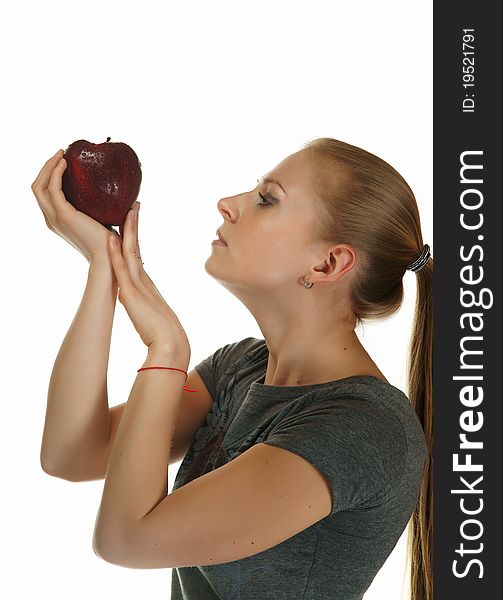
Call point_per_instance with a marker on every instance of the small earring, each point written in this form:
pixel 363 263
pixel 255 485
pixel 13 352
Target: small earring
pixel 308 287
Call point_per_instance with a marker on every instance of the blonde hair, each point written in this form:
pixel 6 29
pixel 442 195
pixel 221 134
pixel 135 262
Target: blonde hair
pixel 364 202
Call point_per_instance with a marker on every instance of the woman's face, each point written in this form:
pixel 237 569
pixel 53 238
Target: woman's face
pixel 271 241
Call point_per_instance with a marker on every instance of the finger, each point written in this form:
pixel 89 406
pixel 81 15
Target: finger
pixel 143 275
pixel 130 246
pixel 55 183
pixel 42 179
pixel 39 186
pixel 47 197
pixel 138 251
pixel 57 206
pixel 144 279
pixel 124 226
pixel 122 273
pixel 47 166
pixel 119 264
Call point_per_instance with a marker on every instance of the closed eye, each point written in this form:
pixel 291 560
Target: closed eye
pixel 267 203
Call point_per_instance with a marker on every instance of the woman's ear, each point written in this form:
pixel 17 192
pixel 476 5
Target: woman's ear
pixel 340 259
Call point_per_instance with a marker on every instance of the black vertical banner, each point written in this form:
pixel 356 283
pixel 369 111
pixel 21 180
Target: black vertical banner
pixel 468 266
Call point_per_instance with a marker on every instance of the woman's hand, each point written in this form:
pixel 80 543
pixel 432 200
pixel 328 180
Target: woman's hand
pixel 152 318
pixel 81 231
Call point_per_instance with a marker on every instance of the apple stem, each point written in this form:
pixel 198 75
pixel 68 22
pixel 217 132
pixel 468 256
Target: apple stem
pixel 108 139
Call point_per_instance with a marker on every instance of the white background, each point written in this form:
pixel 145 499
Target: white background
pixel 211 95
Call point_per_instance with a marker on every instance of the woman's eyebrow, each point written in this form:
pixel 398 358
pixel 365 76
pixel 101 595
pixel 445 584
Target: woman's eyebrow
pixel 271 180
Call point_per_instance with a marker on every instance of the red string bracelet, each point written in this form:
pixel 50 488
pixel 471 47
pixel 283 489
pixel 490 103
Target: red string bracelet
pixel 185 387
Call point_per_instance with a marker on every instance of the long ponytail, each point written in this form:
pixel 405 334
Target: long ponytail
pixel 419 375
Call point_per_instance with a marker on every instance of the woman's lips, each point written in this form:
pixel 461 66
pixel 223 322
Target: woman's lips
pixel 220 237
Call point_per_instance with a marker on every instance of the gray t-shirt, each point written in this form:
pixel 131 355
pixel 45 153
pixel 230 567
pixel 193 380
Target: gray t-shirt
pixel 360 432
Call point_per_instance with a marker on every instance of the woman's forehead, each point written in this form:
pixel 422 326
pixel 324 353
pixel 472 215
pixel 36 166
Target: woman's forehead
pixel 293 174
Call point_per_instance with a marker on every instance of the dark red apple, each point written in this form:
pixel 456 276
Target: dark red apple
pixel 102 180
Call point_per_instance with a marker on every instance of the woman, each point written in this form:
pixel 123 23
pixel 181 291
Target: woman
pixel 302 465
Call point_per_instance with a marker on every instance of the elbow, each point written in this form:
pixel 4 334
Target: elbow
pixel 49 468
pixel 110 547
pixel 54 471
pixel 49 465
pixel 98 549
pixel 101 546
pixel 118 545
pixel 104 555
pixel 115 554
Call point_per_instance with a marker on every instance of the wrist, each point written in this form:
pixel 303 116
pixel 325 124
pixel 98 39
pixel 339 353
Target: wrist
pixel 101 268
pixel 164 356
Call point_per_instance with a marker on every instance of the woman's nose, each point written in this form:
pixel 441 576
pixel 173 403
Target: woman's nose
pixel 223 206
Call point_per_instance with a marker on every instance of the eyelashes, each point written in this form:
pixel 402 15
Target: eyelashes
pixel 267 203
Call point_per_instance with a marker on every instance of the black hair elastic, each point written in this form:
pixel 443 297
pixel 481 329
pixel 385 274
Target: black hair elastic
pixel 419 263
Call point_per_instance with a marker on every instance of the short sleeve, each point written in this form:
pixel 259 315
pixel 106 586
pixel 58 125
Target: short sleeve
pixel 214 368
pixel 357 445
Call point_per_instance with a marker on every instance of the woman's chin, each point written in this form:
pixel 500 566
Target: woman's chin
pixel 207 265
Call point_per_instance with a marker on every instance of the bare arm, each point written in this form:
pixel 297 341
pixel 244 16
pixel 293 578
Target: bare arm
pixel 79 427
pixel 77 422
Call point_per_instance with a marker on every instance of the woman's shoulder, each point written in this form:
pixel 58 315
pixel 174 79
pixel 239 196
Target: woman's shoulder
pixel 376 399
